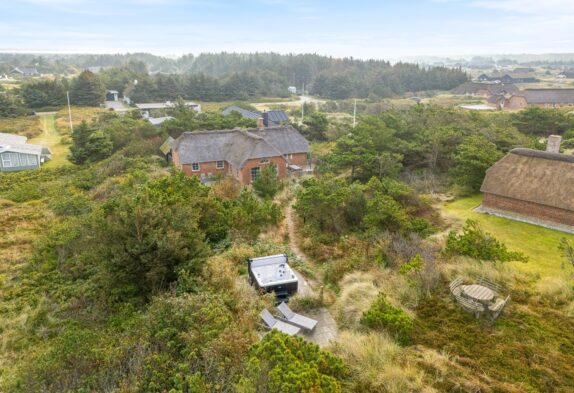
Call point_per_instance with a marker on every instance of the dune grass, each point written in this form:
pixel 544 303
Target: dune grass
pixel 538 243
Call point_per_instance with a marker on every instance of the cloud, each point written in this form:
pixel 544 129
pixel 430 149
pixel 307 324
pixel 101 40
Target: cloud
pixel 557 7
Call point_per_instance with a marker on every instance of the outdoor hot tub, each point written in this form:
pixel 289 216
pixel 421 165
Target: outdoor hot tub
pixel 273 274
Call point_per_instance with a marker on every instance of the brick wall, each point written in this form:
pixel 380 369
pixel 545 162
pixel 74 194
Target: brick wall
pixel 206 169
pixel 299 159
pixel 529 209
pixel 245 175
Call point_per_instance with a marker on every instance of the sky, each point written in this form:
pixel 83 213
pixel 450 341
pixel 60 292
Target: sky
pixel 384 29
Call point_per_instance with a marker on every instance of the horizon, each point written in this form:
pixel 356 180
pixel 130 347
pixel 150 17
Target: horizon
pixel 362 30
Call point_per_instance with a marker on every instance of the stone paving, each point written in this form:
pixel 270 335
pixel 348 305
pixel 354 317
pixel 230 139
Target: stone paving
pixel 326 329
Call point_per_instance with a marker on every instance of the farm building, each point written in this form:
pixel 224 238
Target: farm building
pixel 240 153
pixel 26 71
pixel 17 155
pixel 485 89
pixel 270 118
pixel 532 186
pixel 543 98
pixel 507 78
pixel 147 108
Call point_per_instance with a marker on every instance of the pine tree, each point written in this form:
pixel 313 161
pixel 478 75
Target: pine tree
pixel 87 90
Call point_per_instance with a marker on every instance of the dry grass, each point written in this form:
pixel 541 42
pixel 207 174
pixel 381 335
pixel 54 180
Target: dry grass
pixel 378 364
pixel 79 114
pixel 357 293
pixel 25 125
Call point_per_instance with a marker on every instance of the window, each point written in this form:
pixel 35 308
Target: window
pixel 10 160
pixel 264 161
pixel 219 164
pixel 195 167
pixel 6 161
pixel 32 160
pixel 255 173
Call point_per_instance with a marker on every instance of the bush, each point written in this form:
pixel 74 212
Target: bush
pixel 25 192
pixel 477 244
pixel 383 315
pixel 280 363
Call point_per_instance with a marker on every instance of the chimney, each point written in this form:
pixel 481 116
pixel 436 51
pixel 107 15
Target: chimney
pixel 266 119
pixel 553 145
pixel 260 123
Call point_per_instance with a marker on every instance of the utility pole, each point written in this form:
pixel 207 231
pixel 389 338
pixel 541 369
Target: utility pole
pixel 70 113
pixel 355 114
pixel 303 104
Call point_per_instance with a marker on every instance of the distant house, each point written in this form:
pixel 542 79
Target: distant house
pixel 542 98
pixel 567 73
pixel 240 154
pixel 485 89
pixel 506 78
pixel 292 89
pixel 146 108
pixel 270 118
pixel 532 186
pixel 523 70
pixel 112 95
pixel 158 121
pixel 17 155
pixel 26 71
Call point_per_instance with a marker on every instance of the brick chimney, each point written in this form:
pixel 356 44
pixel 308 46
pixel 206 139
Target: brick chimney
pixel 260 123
pixel 553 145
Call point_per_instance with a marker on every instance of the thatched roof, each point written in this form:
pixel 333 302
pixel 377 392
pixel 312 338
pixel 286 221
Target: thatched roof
pixel 534 176
pixel 237 146
pixel 492 88
pixel 548 96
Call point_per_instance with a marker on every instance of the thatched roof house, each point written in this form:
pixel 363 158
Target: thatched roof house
pixel 533 186
pixel 485 89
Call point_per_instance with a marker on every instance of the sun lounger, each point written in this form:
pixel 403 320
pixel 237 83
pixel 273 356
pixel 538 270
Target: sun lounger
pixel 296 319
pixel 274 323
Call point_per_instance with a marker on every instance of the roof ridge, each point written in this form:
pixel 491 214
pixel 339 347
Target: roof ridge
pixel 522 151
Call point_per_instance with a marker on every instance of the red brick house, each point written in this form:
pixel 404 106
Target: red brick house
pixel 240 153
pixel 532 186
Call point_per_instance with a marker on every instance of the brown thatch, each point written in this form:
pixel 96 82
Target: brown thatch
pixel 533 176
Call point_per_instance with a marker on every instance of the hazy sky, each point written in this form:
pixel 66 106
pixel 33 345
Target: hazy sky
pixel 359 28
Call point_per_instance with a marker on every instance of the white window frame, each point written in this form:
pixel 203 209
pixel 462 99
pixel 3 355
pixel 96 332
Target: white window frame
pixel 217 166
pixel 6 160
pixel 253 178
pixel 33 159
pixel 193 164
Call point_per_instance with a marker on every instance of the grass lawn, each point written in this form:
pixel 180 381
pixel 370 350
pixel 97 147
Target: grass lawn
pixel 540 244
pixel 51 138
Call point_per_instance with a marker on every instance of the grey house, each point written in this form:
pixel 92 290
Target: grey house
pixel 17 155
pixel 272 118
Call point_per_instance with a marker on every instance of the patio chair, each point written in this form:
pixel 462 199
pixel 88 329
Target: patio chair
pixel 455 286
pixel 470 306
pixel 497 307
pixel 296 319
pixel 273 323
pixel 497 288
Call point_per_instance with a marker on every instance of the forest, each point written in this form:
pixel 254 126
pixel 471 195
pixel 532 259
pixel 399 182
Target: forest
pixel 230 76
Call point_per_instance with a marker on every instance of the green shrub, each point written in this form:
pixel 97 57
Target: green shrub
pixel 477 244
pixel 25 192
pixel 383 315
pixel 284 364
